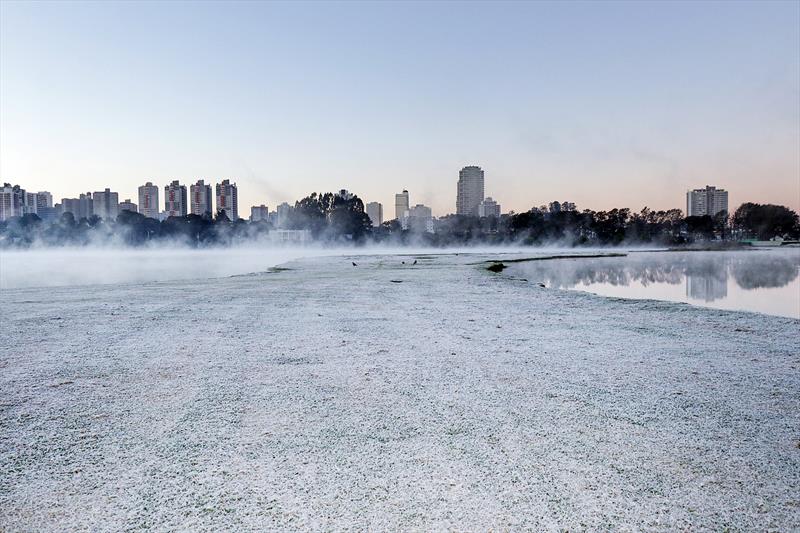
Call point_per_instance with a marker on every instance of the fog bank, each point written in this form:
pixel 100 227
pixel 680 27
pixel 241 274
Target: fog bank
pixel 54 267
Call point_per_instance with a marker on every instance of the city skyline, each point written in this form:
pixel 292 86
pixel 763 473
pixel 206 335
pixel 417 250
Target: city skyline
pixel 470 201
pixel 552 101
pixel 199 201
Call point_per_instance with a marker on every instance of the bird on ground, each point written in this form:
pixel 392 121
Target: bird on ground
pixel 355 265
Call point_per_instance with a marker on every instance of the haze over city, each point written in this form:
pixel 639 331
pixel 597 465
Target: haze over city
pixel 605 105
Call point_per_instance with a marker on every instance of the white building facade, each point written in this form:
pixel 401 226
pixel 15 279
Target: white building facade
pixel 290 236
pixel 708 201
pixel 489 208
pixel 228 199
pixel 148 200
pixel 43 199
pixel 12 201
pixel 127 205
pixel 175 200
pixel 200 199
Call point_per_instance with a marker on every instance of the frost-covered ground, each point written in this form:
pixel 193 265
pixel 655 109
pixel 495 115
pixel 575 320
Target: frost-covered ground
pixel 330 396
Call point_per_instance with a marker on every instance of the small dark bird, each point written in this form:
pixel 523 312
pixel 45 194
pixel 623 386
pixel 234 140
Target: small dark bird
pixel 415 261
pixel 403 262
pixel 355 265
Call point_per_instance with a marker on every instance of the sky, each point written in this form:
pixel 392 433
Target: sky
pixel 603 104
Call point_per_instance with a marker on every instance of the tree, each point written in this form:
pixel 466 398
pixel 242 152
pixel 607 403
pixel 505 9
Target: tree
pixel 331 216
pixel 764 222
pixel 701 227
pixel 222 217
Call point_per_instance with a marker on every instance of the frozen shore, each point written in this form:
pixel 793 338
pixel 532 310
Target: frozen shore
pixel 391 396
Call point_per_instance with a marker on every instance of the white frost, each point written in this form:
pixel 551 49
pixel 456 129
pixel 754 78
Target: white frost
pixel 329 397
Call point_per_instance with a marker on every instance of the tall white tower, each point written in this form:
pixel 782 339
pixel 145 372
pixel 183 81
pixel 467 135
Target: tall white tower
pixel 470 191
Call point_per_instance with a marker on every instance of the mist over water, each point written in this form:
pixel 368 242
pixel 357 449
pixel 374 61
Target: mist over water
pixel 57 267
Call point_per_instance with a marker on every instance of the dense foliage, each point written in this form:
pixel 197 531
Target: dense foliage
pixel 764 221
pixel 331 216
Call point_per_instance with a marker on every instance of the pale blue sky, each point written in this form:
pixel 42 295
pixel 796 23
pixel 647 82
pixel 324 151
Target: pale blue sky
pixel 605 104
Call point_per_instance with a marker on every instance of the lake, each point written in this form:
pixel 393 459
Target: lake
pixel 765 281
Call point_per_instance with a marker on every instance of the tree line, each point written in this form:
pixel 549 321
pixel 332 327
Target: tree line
pixel 333 218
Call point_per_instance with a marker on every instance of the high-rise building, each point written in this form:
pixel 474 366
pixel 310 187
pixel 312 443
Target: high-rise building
pixel 227 199
pixel 30 203
pixel 81 207
pixel 259 213
pixel 44 199
pixel 106 204
pixel 470 191
pixel 148 200
pixel 44 207
pixel 175 200
pixel 489 208
pixel 401 205
pixel 70 205
pixel 282 215
pixel 85 206
pixel 12 201
pixel 375 212
pixel 708 201
pixel 419 218
pixel 127 205
pixel 200 199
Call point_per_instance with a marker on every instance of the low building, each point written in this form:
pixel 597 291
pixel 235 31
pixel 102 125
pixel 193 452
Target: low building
pixel 489 208
pixel 259 213
pixel 81 207
pixel 127 205
pixel 290 236
pixel 48 214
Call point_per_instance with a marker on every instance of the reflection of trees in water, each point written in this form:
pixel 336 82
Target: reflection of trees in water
pixel 706 272
pixel 765 270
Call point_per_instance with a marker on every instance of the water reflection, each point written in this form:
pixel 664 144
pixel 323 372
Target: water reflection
pixel 765 270
pixel 704 277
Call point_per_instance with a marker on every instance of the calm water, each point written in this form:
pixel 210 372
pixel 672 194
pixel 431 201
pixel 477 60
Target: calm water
pixel 766 281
